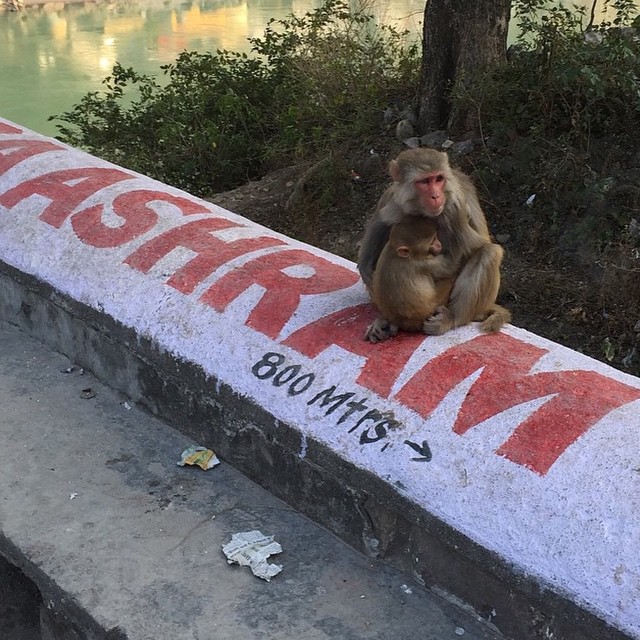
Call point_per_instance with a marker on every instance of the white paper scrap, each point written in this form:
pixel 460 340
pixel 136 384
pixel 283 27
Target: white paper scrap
pixel 252 548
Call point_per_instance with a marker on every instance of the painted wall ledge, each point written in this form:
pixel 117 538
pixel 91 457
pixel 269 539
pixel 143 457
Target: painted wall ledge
pixel 502 469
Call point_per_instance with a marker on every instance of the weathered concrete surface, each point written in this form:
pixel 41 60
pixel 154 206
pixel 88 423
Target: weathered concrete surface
pixel 502 469
pixel 114 540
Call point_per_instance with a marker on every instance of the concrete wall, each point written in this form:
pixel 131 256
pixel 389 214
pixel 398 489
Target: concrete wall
pixel 503 469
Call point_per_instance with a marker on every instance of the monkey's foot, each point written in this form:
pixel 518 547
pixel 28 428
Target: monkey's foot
pixel 437 324
pixel 380 330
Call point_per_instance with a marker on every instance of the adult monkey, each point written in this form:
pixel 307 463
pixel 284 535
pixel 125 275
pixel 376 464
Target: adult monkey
pixel 424 184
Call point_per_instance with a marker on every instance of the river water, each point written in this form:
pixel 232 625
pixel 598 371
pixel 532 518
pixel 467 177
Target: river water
pixel 52 54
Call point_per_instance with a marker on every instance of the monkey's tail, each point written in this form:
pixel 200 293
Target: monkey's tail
pixel 494 319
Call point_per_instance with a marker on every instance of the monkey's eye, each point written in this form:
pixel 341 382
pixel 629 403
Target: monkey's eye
pixel 440 178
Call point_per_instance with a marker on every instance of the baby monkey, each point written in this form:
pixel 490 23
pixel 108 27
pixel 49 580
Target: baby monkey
pixel 411 279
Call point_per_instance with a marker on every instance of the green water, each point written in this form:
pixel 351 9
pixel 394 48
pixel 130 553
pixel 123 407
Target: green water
pixel 52 54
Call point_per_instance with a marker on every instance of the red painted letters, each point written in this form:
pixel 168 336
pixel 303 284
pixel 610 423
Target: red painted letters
pixel 7 128
pixel 283 291
pixel 196 236
pixel 66 189
pixel 346 329
pixel 15 151
pixel 133 207
pixel 580 399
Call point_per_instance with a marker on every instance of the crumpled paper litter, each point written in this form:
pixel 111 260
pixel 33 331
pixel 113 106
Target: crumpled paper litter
pixel 252 548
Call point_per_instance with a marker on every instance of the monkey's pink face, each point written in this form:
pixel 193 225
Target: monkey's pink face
pixel 430 189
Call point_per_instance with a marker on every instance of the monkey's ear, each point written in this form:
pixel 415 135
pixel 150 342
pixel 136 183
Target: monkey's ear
pixel 394 170
pixel 403 251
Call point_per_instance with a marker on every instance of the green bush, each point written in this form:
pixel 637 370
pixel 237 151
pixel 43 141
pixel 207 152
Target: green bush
pixel 208 125
pixel 562 81
pixel 222 118
pixel 564 117
pixel 337 71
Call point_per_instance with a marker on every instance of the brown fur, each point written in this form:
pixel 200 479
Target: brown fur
pixel 468 253
pixel 403 287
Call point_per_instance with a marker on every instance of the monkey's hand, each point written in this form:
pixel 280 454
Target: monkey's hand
pixel 380 330
pixel 441 267
pixel 440 322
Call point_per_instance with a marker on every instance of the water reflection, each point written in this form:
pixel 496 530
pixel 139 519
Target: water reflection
pixel 54 53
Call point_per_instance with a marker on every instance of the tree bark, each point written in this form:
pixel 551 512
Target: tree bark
pixel 461 38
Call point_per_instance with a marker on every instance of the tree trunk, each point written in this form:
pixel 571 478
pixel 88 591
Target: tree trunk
pixel 461 38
